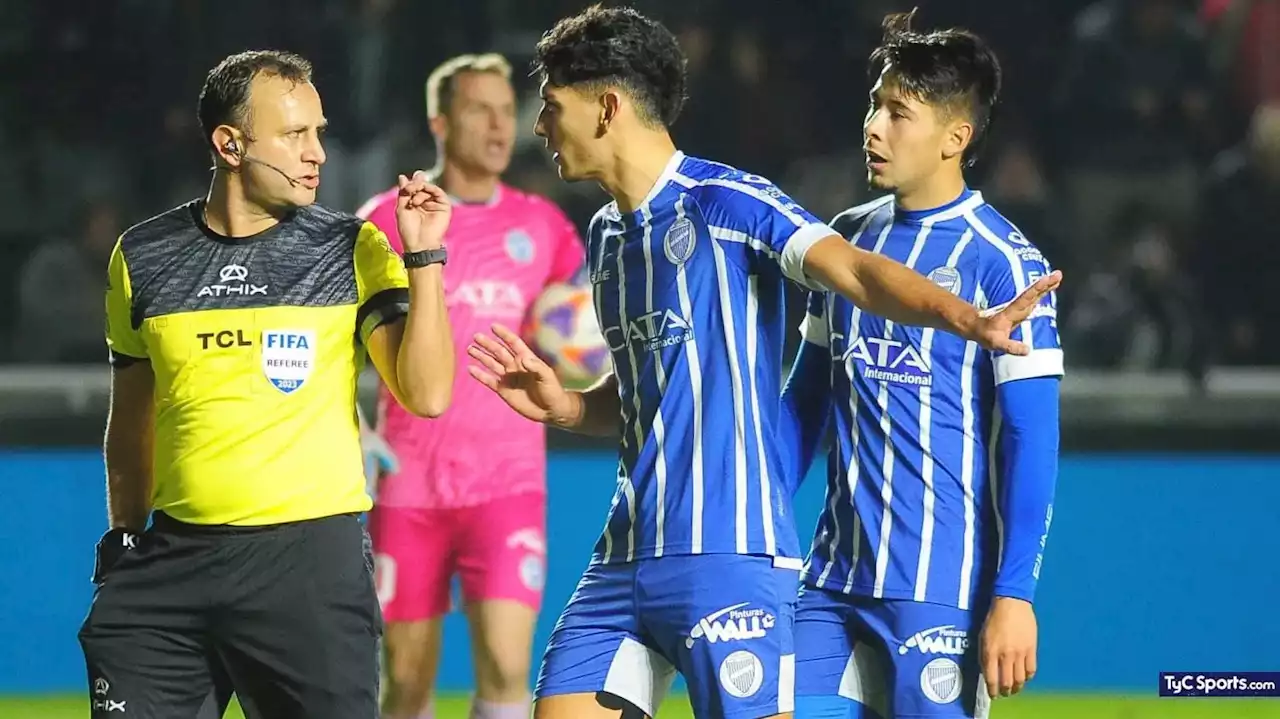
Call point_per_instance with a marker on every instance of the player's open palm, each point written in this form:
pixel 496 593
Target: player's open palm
pixel 518 376
pixel 994 327
pixel 422 213
pixel 1008 649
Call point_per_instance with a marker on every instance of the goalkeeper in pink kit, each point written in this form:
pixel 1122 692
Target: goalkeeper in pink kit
pixel 468 492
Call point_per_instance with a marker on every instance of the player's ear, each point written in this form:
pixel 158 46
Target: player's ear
pixel 610 108
pixel 958 137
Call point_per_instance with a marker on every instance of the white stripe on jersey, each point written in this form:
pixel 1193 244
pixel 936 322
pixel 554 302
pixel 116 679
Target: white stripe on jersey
pixel 739 420
pixel 659 428
pixel 695 388
pixel 967 458
pixel 886 427
pixel 766 493
pixel 1015 266
pixel 851 484
pixel 724 233
pixel 926 446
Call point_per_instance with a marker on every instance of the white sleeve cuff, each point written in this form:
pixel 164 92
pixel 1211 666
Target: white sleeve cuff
pixel 796 247
pixel 1040 363
pixel 814 330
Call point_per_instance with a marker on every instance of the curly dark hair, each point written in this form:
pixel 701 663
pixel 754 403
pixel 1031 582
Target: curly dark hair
pixel 953 70
pixel 618 47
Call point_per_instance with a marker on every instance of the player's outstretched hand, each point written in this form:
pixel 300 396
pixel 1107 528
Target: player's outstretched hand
pixel 518 376
pixel 994 328
pixel 422 213
pixel 1008 651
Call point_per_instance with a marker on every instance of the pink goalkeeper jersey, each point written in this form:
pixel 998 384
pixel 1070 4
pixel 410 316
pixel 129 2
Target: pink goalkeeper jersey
pixel 501 255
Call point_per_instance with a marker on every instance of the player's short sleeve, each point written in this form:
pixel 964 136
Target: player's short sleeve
pixel 381 280
pixel 1008 266
pixel 814 328
pixel 124 338
pixel 569 254
pixel 751 210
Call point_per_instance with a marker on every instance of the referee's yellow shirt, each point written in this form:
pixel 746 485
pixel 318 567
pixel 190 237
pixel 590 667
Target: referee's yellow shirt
pixel 256 344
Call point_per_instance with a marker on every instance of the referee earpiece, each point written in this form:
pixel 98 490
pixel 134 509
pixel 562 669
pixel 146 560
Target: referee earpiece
pixel 232 147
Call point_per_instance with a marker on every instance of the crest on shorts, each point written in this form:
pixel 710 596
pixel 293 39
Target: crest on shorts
pixel 288 358
pixel 679 241
pixel 519 246
pixel 948 278
pixel 941 681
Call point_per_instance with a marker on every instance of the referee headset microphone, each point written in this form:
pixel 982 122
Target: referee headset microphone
pixel 234 148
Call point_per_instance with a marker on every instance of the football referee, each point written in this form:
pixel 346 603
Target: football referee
pixel 237 327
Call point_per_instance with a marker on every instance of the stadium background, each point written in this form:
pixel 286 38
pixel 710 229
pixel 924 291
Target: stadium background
pixel 1134 146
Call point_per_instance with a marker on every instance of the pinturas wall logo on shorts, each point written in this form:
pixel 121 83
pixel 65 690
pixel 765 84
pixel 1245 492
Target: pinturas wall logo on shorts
pixel 735 623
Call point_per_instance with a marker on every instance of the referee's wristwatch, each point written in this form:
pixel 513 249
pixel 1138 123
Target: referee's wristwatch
pixel 425 258
pixel 113 545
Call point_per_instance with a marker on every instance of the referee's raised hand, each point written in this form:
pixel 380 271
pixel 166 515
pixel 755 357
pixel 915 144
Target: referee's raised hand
pixel 995 326
pixel 422 213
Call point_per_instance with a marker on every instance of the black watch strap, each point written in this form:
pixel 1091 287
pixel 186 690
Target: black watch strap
pixel 425 258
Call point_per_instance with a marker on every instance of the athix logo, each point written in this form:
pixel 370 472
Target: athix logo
pixel 654 331
pixel 946 640
pixel 233 280
pixel 887 360
pixel 739 624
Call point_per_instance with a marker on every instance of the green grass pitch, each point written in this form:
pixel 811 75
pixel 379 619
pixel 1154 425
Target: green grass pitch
pixel 1031 706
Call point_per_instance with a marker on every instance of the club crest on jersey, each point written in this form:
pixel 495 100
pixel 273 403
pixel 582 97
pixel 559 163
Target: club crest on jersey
pixel 519 246
pixel 288 357
pixel 948 278
pixel 679 241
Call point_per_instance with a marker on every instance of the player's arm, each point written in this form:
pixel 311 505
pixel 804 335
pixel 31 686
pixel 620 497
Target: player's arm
pixel 130 431
pixel 892 290
pixel 806 396
pixel 593 411
pixel 1027 390
pixel 1029 436
pixel 814 255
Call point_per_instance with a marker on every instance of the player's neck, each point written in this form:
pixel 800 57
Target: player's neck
pixel 941 189
pixel 470 186
pixel 637 168
pixel 228 213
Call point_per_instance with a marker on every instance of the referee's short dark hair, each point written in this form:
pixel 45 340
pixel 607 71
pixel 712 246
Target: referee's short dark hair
pixel 224 99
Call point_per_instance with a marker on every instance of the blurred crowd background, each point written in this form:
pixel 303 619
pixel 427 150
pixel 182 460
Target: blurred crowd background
pixel 1138 142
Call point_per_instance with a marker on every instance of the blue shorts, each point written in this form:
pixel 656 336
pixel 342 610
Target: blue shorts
pixel 899 658
pixel 722 620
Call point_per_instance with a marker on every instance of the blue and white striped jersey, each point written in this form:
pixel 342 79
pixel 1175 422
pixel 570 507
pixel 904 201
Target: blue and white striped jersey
pixel 911 507
pixel 689 290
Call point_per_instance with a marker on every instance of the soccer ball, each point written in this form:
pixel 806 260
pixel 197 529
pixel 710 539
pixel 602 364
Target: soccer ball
pixel 565 333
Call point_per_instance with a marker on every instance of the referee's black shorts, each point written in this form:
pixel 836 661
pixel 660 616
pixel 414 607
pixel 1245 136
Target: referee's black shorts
pixel 286 613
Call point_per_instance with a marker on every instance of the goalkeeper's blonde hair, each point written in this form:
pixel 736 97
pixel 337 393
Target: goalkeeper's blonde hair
pixel 440 82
